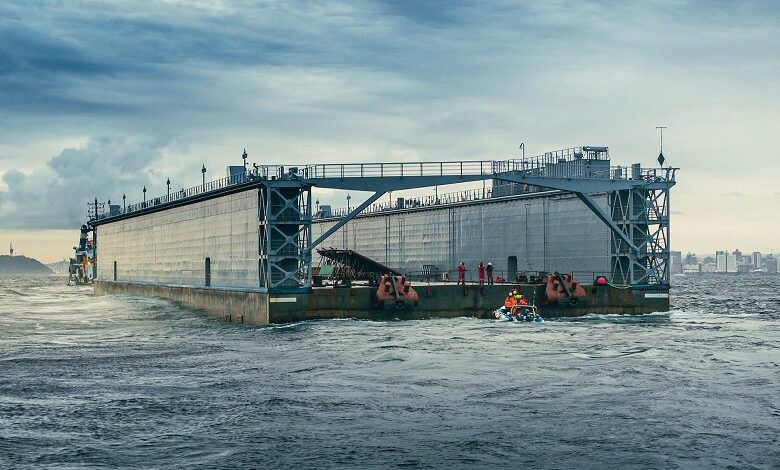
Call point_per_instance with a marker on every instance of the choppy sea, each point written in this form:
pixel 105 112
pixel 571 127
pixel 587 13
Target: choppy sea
pixel 126 382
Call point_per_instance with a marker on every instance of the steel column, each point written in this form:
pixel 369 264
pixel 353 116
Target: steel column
pixel 285 233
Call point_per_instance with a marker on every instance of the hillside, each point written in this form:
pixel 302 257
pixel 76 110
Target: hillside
pixel 21 265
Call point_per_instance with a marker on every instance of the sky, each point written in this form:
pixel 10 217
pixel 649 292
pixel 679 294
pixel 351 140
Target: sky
pixel 98 99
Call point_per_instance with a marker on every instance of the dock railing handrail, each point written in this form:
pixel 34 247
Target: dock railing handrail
pixel 471 276
pixel 546 165
pixel 401 169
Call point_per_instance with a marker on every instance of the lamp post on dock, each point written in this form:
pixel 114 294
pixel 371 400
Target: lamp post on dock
pixel 124 202
pixel 244 155
pixel 144 194
pixel 203 170
pixel 169 187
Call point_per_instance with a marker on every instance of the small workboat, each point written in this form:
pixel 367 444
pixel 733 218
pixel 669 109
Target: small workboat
pixel 526 313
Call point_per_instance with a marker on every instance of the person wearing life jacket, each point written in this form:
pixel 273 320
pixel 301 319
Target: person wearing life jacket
pixel 462 273
pixel 513 301
pixel 510 303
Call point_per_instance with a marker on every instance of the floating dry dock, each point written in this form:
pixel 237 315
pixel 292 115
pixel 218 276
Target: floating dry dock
pixel 243 247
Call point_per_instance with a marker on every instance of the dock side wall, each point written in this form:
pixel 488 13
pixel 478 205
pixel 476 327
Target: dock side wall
pixel 435 301
pixel 552 233
pixel 451 300
pixel 170 247
pixel 236 306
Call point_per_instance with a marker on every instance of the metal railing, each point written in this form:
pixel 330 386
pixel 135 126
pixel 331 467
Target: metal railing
pixel 431 200
pixel 363 170
pixel 565 163
pixel 471 276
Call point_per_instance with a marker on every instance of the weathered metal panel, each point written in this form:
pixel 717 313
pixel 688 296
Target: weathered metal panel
pixel 557 233
pixel 171 246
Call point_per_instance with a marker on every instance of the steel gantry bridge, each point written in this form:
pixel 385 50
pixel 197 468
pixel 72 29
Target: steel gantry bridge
pixel 638 215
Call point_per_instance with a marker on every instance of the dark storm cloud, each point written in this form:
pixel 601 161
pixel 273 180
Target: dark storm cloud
pixel 370 80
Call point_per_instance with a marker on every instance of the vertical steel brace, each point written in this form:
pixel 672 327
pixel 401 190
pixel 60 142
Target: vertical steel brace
pixel 284 235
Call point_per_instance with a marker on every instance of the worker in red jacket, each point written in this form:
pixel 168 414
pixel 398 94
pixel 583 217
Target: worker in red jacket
pixel 462 273
pixel 481 273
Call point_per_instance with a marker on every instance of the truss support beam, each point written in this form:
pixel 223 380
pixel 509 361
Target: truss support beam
pixel 643 216
pixel 284 233
pixel 344 220
pixel 606 218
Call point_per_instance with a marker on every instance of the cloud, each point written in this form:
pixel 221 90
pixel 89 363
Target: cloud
pixel 154 90
pixel 56 196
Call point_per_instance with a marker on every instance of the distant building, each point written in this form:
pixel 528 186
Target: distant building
pixel 771 265
pixel 709 260
pixel 708 267
pixel 743 268
pixel 757 259
pixel 738 255
pixel 676 258
pixel 690 258
pixel 692 268
pixel 725 262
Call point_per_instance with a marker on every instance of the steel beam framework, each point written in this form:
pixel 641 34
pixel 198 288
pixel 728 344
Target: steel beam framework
pixel 638 217
pixel 643 217
pixel 284 236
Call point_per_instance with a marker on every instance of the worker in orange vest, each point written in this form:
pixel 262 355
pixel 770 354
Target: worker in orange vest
pixel 510 303
pixel 462 273
pixel 481 273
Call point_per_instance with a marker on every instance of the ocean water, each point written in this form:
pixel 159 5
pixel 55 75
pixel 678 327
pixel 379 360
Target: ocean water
pixel 124 382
